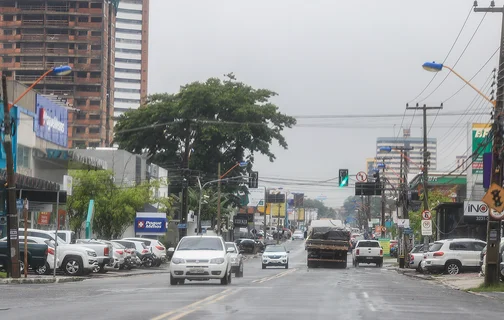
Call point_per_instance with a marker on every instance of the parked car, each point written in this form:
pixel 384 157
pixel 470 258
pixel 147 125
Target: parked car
pixel 156 247
pixel 275 255
pixel 201 258
pixel 37 255
pixel 248 246
pixel 144 256
pixel 483 257
pixel 416 256
pixel 236 259
pixel 298 235
pixel 50 254
pixel 453 256
pixel 104 251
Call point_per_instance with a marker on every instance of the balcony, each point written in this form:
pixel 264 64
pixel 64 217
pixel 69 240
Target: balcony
pixel 10 37
pixel 88 38
pixel 91 25
pixel 63 79
pixel 97 11
pixel 53 64
pixel 57 37
pixel 57 22
pixel 9 10
pixel 32 22
pixel 88 94
pixel 10 23
pixel 32 64
pixel 85 66
pixel 88 80
pixel 32 37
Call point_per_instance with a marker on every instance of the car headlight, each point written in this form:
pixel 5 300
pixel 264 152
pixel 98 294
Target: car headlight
pixel 91 253
pixel 177 260
pixel 217 261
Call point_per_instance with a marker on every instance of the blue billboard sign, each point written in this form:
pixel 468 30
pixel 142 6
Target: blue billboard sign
pixel 55 122
pixel 14 113
pixel 146 225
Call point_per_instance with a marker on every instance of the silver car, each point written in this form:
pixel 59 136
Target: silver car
pixel 236 259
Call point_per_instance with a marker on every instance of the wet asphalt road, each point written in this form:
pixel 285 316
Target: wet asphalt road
pixel 297 293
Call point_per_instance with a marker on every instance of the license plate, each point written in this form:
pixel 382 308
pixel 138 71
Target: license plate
pixel 197 271
pixel 369 258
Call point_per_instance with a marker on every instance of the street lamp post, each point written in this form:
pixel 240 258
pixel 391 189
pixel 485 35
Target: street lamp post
pixel 494 225
pixel 12 218
pixel 201 196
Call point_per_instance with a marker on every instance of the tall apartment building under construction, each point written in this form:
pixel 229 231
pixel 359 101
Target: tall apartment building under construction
pixel 36 35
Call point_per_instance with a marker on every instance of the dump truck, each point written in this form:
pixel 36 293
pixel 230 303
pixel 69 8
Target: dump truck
pixel 327 244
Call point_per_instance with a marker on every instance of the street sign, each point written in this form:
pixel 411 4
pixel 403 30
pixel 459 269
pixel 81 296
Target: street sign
pixel 427 228
pixel 383 229
pixel 361 176
pixel 496 215
pixel 403 223
pixel 426 215
pixel 182 226
pixel 494 197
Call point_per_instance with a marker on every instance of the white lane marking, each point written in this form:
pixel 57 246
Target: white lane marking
pixel 365 295
pixel 371 307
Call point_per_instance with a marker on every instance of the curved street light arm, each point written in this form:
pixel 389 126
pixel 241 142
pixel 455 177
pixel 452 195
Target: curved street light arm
pixel 493 102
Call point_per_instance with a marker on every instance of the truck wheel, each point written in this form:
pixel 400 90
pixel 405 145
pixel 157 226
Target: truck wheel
pixel 72 266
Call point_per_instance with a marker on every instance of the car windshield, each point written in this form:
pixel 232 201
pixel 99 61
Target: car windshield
pixel 418 248
pixel 274 249
pixel 200 243
pixel 436 246
pixel 298 232
pixel 117 245
pixel 369 244
pixel 230 245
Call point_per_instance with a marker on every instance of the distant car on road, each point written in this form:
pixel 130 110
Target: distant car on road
pixel 275 255
pixel 298 235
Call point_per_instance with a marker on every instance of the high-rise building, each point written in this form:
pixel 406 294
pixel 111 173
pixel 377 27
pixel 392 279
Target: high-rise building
pixel 38 35
pixel 131 55
pixel 415 157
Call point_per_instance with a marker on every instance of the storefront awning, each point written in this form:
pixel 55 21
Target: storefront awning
pixel 26 182
pixel 73 159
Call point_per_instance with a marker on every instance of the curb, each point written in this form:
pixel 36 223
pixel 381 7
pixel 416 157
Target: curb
pixel 40 280
pixel 124 275
pixel 412 274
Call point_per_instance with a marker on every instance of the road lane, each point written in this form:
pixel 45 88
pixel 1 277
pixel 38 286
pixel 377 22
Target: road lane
pixel 138 297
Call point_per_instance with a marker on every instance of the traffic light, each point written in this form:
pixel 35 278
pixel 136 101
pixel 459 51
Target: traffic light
pixel 376 175
pixel 343 177
pixel 254 179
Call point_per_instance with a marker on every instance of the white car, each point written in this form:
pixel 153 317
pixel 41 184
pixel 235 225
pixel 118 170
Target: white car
pixel 275 255
pixel 416 256
pixel 156 247
pixel 236 259
pixel 453 256
pixel 200 258
pixel 298 235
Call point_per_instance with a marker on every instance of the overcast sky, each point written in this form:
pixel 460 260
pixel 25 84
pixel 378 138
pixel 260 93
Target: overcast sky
pixel 331 57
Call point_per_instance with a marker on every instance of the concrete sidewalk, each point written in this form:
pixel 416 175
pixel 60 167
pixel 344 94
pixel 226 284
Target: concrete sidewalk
pixel 35 279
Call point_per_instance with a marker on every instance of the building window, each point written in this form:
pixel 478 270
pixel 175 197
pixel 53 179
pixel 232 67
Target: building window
pixel 94 144
pixel 95 33
pixel 127 90
pixel 96 19
pixel 121 30
pixel 79 144
pixel 80 130
pixel 94 103
pixel 23 156
pixel 94 130
pixel 127 70
pixel 129 21
pixel 94 117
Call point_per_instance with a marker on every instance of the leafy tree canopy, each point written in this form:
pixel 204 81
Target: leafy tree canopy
pixel 323 211
pixel 115 206
pixel 217 121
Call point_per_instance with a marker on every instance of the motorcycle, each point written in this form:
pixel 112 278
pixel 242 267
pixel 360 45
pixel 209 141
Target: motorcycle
pixel 147 260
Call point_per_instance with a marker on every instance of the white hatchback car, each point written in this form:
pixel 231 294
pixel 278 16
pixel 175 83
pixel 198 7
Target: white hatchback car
pixel 200 258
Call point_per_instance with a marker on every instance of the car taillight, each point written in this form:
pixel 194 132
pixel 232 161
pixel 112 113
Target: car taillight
pixel 357 252
pixel 412 258
pixel 127 250
pixel 145 250
pixel 438 254
pixel 119 251
pixel 381 252
pixel 106 251
pixel 160 248
pixel 50 251
pixel 425 256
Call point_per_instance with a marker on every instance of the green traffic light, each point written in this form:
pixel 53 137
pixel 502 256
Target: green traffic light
pixel 344 183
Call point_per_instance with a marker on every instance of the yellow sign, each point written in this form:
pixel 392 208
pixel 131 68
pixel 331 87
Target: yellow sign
pixel 300 216
pixel 275 207
pixel 385 244
pixel 494 197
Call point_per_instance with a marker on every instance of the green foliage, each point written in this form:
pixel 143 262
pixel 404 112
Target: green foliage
pixel 435 197
pixel 323 211
pixel 223 121
pixel 115 206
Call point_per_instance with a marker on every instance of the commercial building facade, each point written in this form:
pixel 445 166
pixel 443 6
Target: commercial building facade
pixel 392 159
pixel 131 55
pixel 36 36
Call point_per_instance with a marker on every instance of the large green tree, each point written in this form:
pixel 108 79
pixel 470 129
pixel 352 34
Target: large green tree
pixel 115 206
pixel 214 121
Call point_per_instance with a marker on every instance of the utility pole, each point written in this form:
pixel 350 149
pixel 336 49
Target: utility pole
pixel 185 180
pixel 383 199
pixel 218 201
pixel 12 217
pixel 494 225
pixel 426 162
pixel 403 181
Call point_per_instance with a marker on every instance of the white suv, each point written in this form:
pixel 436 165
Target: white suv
pixel 453 255
pixel 201 258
